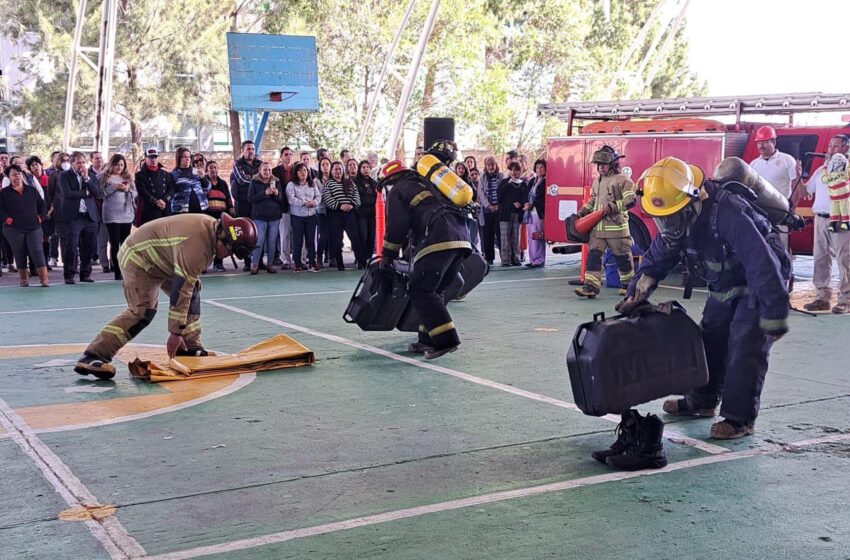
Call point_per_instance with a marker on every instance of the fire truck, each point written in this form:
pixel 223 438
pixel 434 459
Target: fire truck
pixel 648 130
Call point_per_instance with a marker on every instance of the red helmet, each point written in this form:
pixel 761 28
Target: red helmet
pixel 240 235
pixel 391 168
pixel 765 133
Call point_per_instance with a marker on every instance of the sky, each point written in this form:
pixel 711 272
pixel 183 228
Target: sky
pixel 746 47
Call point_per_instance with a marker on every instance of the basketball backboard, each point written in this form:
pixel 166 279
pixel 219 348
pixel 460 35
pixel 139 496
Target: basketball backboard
pixel 272 72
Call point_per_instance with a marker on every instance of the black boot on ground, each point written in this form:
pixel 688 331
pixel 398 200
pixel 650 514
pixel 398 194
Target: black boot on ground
pixel 626 436
pixel 647 452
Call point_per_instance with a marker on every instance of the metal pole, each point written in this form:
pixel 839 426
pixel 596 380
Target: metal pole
pixel 374 102
pixel 411 77
pixel 110 10
pixel 668 43
pixel 637 42
pixel 72 76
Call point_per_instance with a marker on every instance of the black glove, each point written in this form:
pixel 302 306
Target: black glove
pixel 387 264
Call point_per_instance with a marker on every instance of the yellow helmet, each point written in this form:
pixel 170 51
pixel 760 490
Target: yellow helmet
pixel 668 186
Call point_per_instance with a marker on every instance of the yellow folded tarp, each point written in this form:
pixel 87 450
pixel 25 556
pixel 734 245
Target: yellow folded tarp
pixel 275 353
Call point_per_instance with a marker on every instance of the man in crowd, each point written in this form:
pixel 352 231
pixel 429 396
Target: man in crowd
pixel 283 172
pixel 102 255
pixel 441 239
pixel 78 218
pixel 614 193
pixel 344 156
pixel 244 170
pixel 167 254
pixel 747 269
pixel 781 170
pixel 155 186
pixel 304 158
pixel 827 243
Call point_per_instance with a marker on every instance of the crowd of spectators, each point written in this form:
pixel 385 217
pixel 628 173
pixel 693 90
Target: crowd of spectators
pixel 76 211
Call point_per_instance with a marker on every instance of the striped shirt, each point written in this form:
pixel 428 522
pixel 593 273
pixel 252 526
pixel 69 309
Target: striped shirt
pixel 334 195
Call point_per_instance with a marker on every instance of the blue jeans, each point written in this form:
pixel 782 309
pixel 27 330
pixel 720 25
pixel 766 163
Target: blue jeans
pixel 267 235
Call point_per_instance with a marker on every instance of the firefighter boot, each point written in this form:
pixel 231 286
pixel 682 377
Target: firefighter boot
pixel 91 364
pixel 647 452
pixel 586 291
pixel 626 436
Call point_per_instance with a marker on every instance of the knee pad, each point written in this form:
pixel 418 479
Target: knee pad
pixel 143 322
pixel 624 262
pixel 594 260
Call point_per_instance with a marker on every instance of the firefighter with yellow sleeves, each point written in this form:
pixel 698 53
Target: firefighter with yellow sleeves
pixel 167 254
pixel 614 193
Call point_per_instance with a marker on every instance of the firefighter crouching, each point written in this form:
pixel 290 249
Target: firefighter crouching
pixel 741 257
pixel 439 240
pixel 614 193
pixel 167 254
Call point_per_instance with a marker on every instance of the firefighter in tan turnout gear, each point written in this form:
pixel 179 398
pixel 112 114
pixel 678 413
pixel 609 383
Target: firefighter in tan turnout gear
pixel 614 194
pixel 167 254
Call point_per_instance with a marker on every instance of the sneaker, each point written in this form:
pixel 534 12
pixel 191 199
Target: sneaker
pixel 586 291
pixel 727 429
pixel 90 364
pixel 313 268
pixel 817 305
pixel 841 308
pixel 298 268
pixel 418 348
pixel 52 261
pixel 432 354
pixel 687 407
pixel 218 267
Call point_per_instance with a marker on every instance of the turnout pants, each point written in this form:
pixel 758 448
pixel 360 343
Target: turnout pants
pixel 736 350
pixel 432 274
pixel 621 247
pixel 141 292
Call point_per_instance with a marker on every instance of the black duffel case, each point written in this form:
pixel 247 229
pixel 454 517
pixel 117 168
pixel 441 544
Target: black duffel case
pixel 624 361
pixel 379 299
pixel 472 273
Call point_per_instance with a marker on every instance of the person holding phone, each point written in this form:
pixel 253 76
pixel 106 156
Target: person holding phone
pixel 119 205
pixel 266 198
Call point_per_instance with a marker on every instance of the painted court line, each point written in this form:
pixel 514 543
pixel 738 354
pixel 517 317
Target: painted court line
pixel 109 531
pixel 386 517
pixel 672 435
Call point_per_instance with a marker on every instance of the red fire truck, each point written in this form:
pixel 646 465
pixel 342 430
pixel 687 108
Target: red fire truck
pixel 648 130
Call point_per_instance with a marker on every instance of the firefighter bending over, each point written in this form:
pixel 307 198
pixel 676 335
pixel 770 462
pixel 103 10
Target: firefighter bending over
pixel 614 193
pixel 729 242
pixel 439 238
pixel 167 254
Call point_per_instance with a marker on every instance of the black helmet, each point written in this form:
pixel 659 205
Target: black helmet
pixel 443 150
pixel 605 154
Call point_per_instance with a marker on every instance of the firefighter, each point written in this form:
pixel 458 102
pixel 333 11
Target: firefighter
pixel 439 237
pixel 614 193
pixel 731 244
pixel 168 254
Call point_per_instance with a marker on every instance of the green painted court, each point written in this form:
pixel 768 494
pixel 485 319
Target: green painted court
pixel 375 453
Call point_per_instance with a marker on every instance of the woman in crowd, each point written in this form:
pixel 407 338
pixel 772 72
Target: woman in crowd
pixel 367 189
pixel 218 200
pixel 266 197
pixel 22 210
pixel 304 197
pixel 341 198
pixel 351 168
pixel 488 195
pixel 512 195
pixel 190 188
pixel 119 205
pixel 470 163
pixel 47 226
pixel 470 176
pixel 535 208
pixel 323 228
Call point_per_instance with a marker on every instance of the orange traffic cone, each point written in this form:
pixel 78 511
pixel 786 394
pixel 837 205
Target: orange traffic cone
pixel 380 223
pixel 587 223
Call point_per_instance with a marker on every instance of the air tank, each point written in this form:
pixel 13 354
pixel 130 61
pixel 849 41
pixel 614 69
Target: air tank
pixel 767 197
pixel 453 187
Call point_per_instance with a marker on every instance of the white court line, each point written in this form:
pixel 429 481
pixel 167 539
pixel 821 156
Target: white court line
pixel 61 309
pixel 109 531
pixel 481 500
pixel 672 435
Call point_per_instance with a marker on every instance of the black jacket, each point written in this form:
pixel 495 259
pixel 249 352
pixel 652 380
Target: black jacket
pixel 71 191
pixel 509 193
pixel 240 183
pixel 539 203
pixel 415 212
pixel 26 210
pixel 153 186
pixel 368 189
pixel 263 206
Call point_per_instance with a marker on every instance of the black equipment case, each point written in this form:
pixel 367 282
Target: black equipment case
pixel 624 361
pixel 379 299
pixel 475 268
